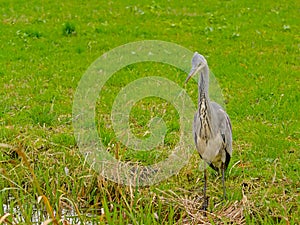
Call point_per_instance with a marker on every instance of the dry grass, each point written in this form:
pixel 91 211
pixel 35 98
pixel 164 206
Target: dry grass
pixel 230 213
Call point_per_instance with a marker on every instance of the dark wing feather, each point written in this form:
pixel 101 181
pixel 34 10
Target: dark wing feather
pixel 227 138
pixel 227 159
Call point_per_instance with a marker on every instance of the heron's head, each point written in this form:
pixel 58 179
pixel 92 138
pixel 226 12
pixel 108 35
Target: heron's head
pixel 198 63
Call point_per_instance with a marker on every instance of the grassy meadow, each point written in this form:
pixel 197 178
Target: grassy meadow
pixel 252 48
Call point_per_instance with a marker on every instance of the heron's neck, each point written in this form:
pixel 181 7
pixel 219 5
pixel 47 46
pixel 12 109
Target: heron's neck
pixel 203 85
pixel 204 105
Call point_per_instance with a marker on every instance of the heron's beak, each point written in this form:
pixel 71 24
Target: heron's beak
pixel 193 72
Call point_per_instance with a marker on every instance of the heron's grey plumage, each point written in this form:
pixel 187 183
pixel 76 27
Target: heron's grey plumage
pixel 211 128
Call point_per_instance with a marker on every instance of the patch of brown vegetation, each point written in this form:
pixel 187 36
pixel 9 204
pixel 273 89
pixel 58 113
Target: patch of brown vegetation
pixel 231 213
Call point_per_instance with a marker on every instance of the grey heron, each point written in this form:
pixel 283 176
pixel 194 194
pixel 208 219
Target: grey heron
pixel 211 128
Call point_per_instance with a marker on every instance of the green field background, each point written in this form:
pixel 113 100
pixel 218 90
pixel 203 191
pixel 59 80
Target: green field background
pixel 252 48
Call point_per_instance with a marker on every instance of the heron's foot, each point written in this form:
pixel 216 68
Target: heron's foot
pixel 205 204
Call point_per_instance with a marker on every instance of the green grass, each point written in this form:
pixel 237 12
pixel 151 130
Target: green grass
pixel 252 49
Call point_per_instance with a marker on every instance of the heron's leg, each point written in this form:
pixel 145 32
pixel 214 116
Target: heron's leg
pixel 205 199
pixel 223 180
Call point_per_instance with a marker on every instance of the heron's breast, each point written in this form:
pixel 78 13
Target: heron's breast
pixel 209 149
